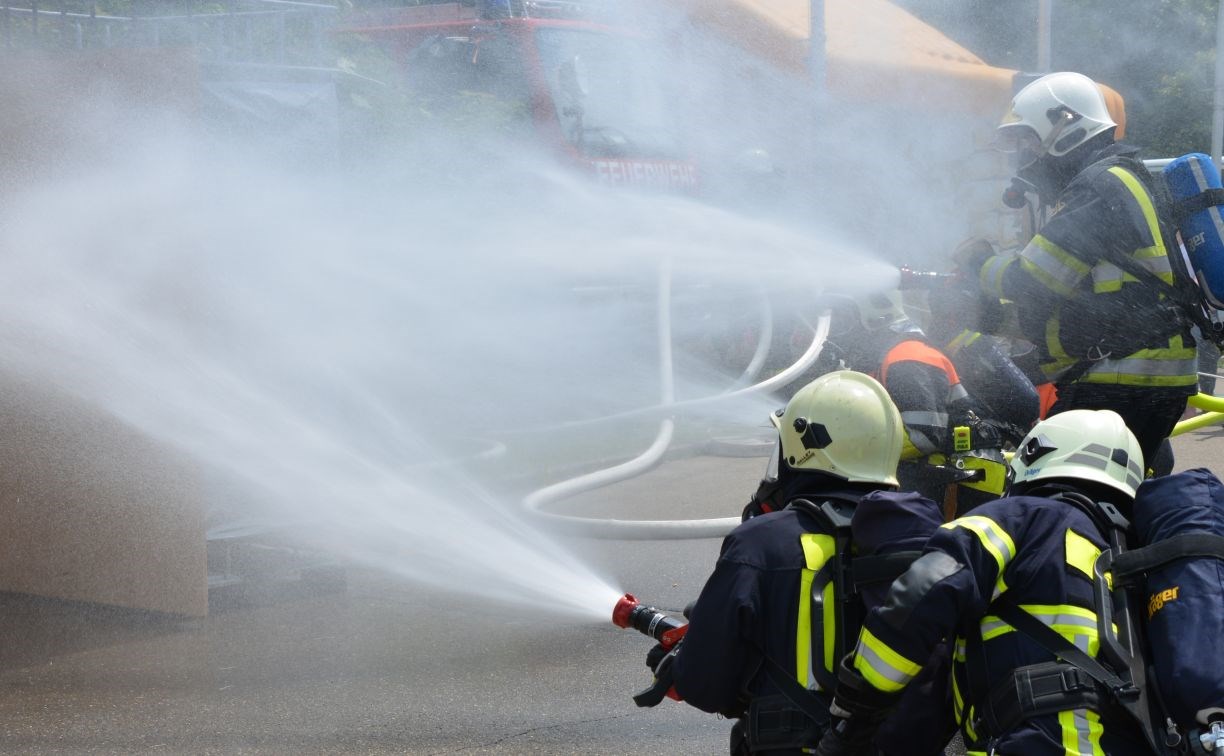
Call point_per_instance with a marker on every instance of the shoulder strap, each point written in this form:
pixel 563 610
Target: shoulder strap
pixel 882 568
pixel 1183 209
pixel 1051 641
pixel 802 698
pixel 839 572
pixel 1130 564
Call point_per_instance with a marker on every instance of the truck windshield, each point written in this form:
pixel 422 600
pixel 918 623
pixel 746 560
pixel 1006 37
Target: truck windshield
pixel 609 98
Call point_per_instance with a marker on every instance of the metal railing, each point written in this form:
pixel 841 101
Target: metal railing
pixel 239 31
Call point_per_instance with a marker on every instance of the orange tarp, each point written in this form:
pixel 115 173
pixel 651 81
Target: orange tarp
pixel 873 51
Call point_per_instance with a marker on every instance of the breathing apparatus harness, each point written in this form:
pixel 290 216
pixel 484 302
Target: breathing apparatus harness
pixel 1121 679
pixel 1188 305
pixel 796 717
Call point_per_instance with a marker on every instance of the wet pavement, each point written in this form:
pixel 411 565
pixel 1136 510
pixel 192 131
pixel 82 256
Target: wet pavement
pixel 384 666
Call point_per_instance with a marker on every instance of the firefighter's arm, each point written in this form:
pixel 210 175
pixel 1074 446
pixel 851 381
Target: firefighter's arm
pixel 711 663
pixel 946 587
pixel 1053 264
pixel 949 586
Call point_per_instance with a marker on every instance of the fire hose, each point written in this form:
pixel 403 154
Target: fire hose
pixel 659 529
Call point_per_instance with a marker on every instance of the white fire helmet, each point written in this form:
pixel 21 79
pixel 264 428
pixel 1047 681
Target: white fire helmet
pixel 1086 445
pixel 843 424
pixel 1052 116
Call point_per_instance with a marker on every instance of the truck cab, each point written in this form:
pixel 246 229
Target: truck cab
pixel 560 73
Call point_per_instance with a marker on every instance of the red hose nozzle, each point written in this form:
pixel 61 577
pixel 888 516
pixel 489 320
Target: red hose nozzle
pixel 623 610
pixel 630 613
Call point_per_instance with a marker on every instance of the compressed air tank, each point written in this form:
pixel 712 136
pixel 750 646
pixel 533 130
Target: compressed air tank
pixel 1202 231
pixel 1184 611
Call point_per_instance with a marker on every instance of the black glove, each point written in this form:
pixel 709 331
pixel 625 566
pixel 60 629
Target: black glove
pixel 655 655
pixel 857 711
pixel 662 677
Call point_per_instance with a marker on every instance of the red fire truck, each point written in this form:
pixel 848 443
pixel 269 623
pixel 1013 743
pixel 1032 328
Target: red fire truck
pixel 571 75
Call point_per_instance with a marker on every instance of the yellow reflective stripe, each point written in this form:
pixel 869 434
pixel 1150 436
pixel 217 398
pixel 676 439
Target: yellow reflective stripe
pixel 1107 277
pixel 1056 268
pixel 962 340
pixel 991 275
pixel 817 549
pixel 958 701
pixel 994 538
pixel 881 666
pixel 1071 622
pixel 1132 184
pixel 1081 553
pixel 1081 732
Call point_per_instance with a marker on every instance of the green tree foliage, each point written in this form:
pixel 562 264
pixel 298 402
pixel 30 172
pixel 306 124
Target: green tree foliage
pixel 1159 54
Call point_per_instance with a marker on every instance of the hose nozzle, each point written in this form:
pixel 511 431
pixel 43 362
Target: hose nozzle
pixel 631 613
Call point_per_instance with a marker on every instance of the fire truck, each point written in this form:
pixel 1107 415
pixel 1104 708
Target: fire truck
pixel 569 75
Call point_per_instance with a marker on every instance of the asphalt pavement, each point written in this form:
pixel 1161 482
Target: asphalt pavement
pixel 386 666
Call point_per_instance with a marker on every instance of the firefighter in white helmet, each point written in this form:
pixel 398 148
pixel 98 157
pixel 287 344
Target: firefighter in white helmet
pixel 771 622
pixel 984 580
pixel 1093 288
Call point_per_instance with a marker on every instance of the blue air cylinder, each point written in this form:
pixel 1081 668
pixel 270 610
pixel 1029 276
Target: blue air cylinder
pixel 1185 598
pixel 1202 231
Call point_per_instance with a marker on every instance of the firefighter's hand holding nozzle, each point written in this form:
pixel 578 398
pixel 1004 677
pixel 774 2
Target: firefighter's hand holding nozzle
pixel 667 630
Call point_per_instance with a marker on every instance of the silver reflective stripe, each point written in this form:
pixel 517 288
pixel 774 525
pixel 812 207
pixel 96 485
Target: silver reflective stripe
pixel 1106 273
pixel 1051 265
pixel 922 417
pixel 881 667
pixel 1136 366
pixel 957 392
pixel 921 441
pixel 1088 460
pixel 992 624
pixel 1083 731
pixel 1101 449
pixel 1200 180
pixel 1158 265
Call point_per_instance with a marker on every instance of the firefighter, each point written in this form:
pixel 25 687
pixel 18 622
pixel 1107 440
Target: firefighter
pixel 959 315
pixel 952 452
pixel 1084 287
pixel 1031 553
pixel 762 638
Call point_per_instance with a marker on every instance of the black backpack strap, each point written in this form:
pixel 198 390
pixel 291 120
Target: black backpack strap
pixel 882 568
pixel 1051 641
pixel 839 570
pixel 800 697
pixel 1184 208
pixel 1130 564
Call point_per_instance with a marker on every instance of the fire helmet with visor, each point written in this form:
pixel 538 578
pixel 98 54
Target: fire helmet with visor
pixel 1052 116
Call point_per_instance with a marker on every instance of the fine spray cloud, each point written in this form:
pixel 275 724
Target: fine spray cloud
pixel 347 351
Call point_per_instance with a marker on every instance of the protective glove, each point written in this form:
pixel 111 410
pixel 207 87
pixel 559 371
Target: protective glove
pixel 857 711
pixel 662 685
pixel 656 655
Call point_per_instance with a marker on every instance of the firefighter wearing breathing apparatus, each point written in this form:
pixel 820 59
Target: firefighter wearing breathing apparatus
pixel 781 605
pixel 1091 288
pixel 952 453
pixel 1000 581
